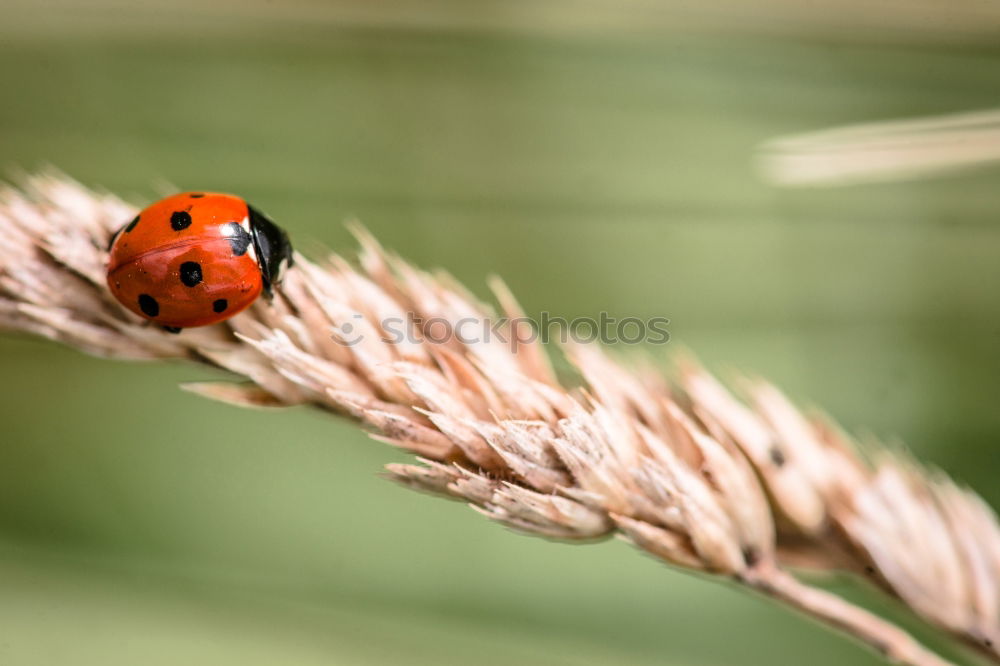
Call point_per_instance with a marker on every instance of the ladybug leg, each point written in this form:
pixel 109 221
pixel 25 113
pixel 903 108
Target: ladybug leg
pixel 173 329
pixel 128 226
pixel 115 236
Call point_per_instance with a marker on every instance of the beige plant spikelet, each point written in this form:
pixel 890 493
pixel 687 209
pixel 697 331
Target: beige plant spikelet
pixel 684 471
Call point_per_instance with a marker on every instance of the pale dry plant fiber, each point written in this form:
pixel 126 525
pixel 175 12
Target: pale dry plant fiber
pixel 683 470
pixel 892 150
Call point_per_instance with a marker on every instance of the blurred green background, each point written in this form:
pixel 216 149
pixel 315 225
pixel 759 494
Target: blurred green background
pixel 598 155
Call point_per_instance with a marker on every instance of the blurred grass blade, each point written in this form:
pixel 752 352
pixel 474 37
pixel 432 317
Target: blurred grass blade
pixel 883 151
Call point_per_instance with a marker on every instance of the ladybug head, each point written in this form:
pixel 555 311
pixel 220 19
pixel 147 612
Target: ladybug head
pixel 274 251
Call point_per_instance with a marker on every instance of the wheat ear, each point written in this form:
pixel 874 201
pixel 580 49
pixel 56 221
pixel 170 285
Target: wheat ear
pixel 682 470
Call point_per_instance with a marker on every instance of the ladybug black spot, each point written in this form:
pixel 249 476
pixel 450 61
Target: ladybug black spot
pixel 180 220
pixel 148 305
pixel 238 237
pixel 131 225
pixel 190 273
pixel 220 305
pixel 197 195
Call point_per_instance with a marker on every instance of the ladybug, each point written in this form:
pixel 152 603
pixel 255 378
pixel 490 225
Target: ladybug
pixel 196 258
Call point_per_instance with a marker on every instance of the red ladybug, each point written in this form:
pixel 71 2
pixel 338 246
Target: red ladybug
pixel 196 258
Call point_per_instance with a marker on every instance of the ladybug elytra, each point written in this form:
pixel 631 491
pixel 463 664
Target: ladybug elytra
pixel 196 258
